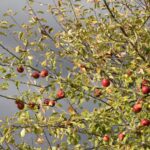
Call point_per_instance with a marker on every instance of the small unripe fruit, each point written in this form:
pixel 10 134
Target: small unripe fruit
pixel 20 69
pixel 121 136
pixel 145 89
pixel 97 92
pixel 35 75
pixel 44 73
pixel 106 138
pixel 60 93
pixel 145 122
pixel 137 108
pixel 105 82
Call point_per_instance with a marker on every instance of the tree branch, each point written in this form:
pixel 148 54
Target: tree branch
pixel 123 31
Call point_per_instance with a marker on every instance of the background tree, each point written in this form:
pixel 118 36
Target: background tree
pixel 86 86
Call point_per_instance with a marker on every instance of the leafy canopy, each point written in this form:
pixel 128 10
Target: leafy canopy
pixel 73 107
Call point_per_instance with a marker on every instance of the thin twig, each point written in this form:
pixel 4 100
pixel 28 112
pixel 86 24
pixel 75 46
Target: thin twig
pixel 47 140
pixel 123 31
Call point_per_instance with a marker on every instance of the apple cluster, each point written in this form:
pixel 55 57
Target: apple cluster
pixel 35 74
pixel 21 104
pixel 43 74
pixel 121 136
pixel 136 108
pixel 47 102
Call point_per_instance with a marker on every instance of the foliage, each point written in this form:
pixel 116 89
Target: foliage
pixel 96 40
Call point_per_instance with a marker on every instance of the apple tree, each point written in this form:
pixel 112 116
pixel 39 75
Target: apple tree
pixel 85 86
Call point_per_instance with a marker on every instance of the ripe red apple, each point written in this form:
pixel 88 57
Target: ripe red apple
pixel 46 102
pixel 52 103
pixel 105 82
pixel 97 92
pixel 35 74
pixel 20 69
pixel 44 73
pixel 145 82
pixel 145 89
pixel 145 122
pixel 20 104
pixel 137 108
pixel 106 138
pixel 121 136
pixel 60 93
pixel 31 105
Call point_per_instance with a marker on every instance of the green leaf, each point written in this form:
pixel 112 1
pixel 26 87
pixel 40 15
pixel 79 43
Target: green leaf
pixel 23 132
pixel 2 33
pixel 20 35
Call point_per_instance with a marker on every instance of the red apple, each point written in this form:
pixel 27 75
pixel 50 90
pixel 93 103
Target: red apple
pixel 35 75
pixel 97 92
pixel 52 103
pixel 145 122
pixel 20 104
pixel 121 136
pixel 145 89
pixel 105 82
pixel 106 138
pixel 137 108
pixel 60 93
pixel 44 73
pixel 46 102
pixel 31 105
pixel 20 69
